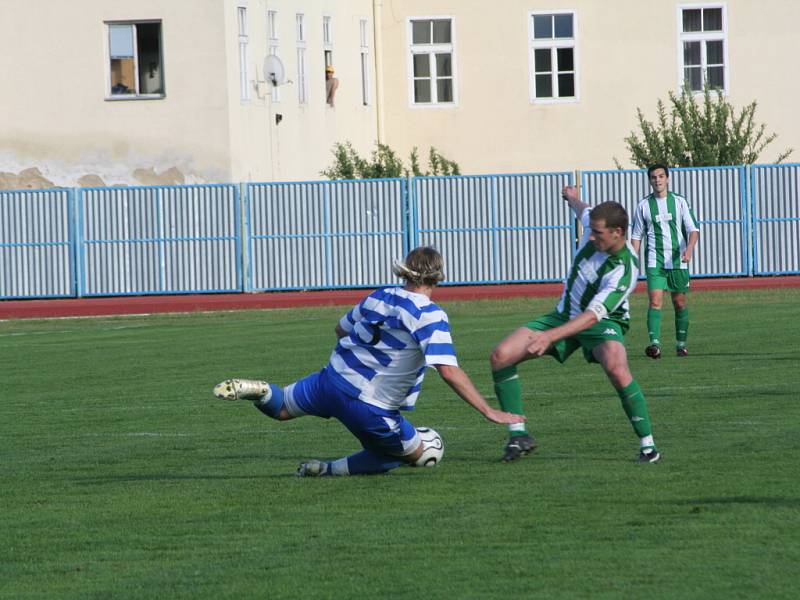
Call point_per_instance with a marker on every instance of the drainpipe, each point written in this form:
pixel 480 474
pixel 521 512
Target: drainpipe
pixel 377 31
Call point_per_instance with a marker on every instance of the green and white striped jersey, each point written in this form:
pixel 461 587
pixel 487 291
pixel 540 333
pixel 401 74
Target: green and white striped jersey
pixel 667 223
pixel 600 282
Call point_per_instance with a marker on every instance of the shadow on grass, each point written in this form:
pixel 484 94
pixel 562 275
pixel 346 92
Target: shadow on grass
pixel 112 479
pixel 752 500
pixel 747 356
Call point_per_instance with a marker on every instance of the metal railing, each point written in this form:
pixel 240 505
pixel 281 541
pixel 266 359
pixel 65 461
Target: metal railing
pixel 344 234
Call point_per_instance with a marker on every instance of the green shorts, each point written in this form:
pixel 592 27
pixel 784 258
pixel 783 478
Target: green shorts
pixel 587 339
pixel 673 280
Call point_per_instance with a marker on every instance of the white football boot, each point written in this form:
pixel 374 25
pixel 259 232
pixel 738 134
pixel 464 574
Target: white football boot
pixel 243 389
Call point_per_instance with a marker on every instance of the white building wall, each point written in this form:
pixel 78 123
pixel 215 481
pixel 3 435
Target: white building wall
pixel 627 53
pixel 55 115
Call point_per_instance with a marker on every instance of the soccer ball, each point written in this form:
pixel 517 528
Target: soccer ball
pixel 433 448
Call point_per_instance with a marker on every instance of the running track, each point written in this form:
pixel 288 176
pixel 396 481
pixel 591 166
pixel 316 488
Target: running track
pixel 131 305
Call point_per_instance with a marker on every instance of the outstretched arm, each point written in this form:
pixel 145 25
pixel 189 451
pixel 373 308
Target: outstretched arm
pixel 572 196
pixel 461 384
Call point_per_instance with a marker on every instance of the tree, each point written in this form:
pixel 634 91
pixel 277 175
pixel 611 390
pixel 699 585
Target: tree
pixel 383 163
pixel 700 133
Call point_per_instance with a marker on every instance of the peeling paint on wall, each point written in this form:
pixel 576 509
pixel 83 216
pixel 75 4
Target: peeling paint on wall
pixel 44 173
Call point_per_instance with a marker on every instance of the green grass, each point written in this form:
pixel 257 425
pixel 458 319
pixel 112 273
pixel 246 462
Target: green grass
pixel 121 476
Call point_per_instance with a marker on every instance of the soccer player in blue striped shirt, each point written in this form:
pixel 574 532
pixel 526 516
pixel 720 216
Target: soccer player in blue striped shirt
pixel 386 343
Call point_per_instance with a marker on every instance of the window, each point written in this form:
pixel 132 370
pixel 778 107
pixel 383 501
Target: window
pixel 272 25
pixel 702 46
pixel 135 60
pixel 364 24
pixel 244 87
pixel 553 57
pixel 302 59
pixel 327 42
pixel 272 48
pixel 432 48
pixel 327 33
pixel 300 21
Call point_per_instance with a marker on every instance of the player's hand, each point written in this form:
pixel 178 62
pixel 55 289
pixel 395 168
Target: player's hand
pixel 539 343
pixel 504 418
pixel 570 193
pixel 687 256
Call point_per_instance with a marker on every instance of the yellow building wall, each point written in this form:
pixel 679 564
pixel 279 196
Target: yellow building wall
pixel 627 54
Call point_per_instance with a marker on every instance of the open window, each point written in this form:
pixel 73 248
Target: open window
pixel 136 65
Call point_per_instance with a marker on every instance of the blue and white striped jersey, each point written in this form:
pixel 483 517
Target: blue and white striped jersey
pixel 393 335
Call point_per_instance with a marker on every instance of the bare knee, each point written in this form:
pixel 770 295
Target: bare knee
pixel 679 301
pixel 500 358
pixel 619 376
pixel 284 415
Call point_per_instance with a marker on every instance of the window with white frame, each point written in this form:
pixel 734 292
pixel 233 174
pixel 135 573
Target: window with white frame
pixel 135 60
pixel 327 41
pixel 244 87
pixel 553 57
pixel 702 46
pixel 364 31
pixel 302 59
pixel 432 66
pixel 327 31
pixel 272 47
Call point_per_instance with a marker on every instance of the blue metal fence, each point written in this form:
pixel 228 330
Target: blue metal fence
pixel 495 228
pixel 37 244
pixel 326 235
pixel 718 197
pixel 158 240
pixel 775 192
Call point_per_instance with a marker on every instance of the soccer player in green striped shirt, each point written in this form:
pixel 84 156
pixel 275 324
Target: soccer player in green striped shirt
pixel 665 220
pixel 592 314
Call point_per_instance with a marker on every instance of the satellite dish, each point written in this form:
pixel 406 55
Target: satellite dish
pixel 273 70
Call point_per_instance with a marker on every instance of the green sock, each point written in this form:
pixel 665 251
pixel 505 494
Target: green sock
pixel 635 407
pixel 509 394
pixel 681 326
pixel 654 325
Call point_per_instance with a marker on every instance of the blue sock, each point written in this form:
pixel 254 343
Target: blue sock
pixel 273 406
pixel 370 461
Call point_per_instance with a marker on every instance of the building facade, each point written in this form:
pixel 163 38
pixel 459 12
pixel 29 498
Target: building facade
pixel 117 92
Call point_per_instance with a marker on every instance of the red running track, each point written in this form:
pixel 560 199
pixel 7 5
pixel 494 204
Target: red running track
pixel 134 305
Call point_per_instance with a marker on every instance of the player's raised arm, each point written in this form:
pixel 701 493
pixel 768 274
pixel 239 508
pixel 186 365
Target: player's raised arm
pixel 572 196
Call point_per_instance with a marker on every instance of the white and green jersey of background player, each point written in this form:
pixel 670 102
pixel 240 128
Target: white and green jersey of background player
pixel 666 223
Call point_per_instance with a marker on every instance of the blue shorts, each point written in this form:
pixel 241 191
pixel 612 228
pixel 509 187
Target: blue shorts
pixel 376 428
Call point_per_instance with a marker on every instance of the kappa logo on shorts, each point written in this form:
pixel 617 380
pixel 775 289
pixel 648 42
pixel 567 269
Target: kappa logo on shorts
pixel 610 331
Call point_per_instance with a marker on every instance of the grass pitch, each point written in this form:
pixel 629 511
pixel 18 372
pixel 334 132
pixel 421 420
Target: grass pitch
pixel 122 477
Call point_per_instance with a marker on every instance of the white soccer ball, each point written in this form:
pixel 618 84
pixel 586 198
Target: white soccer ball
pixel 432 448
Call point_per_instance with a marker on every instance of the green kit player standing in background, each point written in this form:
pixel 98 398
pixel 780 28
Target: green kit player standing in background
pixel 670 228
pixel 592 314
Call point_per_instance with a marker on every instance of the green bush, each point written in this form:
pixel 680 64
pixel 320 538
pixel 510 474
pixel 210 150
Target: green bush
pixel 383 163
pixel 699 133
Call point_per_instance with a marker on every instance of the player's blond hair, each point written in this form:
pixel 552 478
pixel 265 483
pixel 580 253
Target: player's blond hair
pixel 422 266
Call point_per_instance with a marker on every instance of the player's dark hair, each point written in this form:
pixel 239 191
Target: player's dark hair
pixel 422 266
pixel 613 214
pixel 652 168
